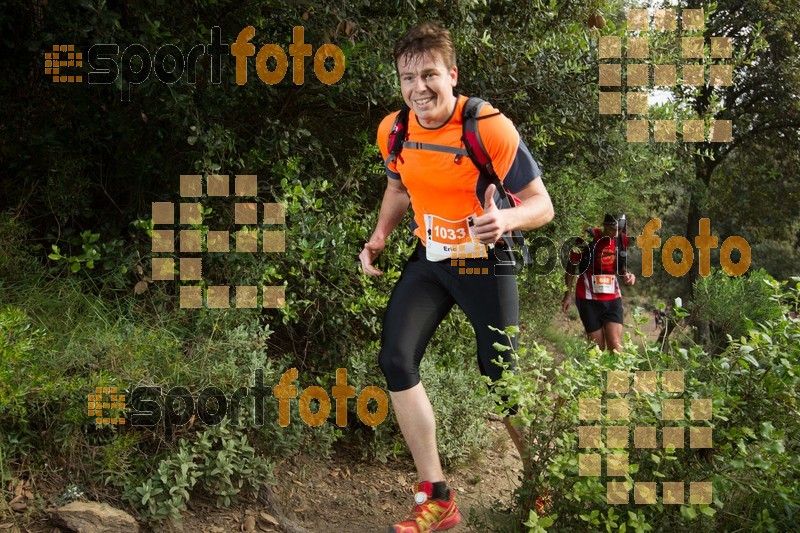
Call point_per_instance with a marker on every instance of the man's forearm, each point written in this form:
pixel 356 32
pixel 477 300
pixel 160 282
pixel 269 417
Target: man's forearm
pixel 533 213
pixel 393 209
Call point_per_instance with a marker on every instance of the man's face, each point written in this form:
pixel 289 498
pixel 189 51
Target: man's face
pixel 427 87
pixel 609 231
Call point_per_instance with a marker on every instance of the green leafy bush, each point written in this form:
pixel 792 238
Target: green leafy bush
pixel 732 305
pixel 219 461
pixel 48 366
pixel 17 258
pixel 753 465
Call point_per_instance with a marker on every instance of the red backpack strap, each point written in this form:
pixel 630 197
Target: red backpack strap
pixel 471 138
pixel 397 135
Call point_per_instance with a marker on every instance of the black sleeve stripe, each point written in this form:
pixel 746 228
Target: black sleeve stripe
pixel 389 172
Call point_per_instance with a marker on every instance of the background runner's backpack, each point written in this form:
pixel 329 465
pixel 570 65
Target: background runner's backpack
pixel 474 149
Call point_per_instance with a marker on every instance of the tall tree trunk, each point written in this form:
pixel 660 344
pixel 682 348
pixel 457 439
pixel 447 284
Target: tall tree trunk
pixel 698 203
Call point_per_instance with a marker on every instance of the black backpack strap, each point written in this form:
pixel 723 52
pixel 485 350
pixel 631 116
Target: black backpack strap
pixel 621 249
pixel 435 148
pixel 483 162
pixel 477 151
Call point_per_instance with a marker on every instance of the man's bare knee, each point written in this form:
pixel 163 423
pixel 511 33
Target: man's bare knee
pixel 598 338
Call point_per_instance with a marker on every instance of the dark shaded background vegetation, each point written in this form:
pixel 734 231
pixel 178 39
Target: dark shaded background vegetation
pixel 82 167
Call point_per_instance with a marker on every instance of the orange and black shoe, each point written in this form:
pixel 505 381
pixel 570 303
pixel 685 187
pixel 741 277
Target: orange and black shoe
pixel 544 503
pixel 539 500
pixel 429 514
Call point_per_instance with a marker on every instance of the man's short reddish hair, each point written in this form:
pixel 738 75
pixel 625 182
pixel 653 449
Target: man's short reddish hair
pixel 426 38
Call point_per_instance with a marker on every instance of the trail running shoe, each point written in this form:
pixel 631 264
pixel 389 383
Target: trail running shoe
pixel 428 514
pixel 543 503
pixel 541 498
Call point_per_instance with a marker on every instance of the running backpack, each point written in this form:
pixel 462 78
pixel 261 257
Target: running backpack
pixel 474 149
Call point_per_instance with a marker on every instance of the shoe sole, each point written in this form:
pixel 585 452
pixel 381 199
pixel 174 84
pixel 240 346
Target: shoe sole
pixel 449 522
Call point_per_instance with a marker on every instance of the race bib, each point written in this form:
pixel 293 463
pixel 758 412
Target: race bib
pixel 451 239
pixel 603 284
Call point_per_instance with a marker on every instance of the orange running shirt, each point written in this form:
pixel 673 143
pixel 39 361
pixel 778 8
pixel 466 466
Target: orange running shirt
pixel 443 184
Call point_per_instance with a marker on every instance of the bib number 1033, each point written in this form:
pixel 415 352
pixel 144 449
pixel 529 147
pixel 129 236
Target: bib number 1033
pixel 444 237
pixel 453 235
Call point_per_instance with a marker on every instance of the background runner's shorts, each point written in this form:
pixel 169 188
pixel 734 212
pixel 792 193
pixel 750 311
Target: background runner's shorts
pixel 595 313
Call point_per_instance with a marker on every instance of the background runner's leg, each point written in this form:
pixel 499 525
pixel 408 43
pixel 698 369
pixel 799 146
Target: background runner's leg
pixel 517 438
pixel 597 337
pixel 613 334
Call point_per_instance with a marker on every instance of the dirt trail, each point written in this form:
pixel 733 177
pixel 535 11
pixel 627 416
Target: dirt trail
pixel 349 494
pixel 345 493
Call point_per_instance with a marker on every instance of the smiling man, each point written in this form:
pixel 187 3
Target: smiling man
pixel 442 187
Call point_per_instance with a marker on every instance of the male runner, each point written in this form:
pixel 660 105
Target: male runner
pixel 597 295
pixel 441 189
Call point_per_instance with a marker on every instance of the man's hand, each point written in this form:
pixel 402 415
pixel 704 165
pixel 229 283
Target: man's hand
pixel 566 300
pixel 629 278
pixel 371 250
pixel 490 226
